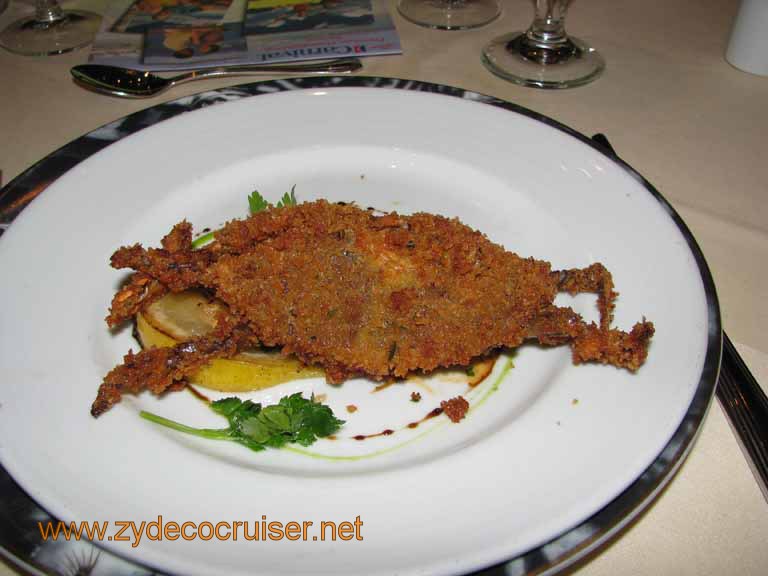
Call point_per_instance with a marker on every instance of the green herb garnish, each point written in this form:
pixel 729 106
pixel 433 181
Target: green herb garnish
pixel 256 203
pixel 293 419
pixel 288 199
pixel 201 240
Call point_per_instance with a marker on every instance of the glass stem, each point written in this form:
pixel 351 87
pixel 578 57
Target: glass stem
pixel 548 27
pixel 546 41
pixel 48 11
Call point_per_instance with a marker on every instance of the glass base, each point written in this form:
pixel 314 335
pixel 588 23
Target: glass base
pixel 449 14
pixel 567 65
pixel 31 37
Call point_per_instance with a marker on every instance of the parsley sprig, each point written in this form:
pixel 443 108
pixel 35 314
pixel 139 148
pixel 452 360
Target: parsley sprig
pixel 294 419
pixel 256 203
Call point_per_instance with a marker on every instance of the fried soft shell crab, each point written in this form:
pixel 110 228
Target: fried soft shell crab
pixel 360 294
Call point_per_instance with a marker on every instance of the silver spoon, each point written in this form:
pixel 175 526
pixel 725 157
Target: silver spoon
pixel 128 83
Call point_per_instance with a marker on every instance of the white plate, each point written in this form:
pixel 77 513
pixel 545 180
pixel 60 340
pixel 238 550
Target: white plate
pixel 546 445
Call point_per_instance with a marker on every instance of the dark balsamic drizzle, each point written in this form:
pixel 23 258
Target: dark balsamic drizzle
pixel 197 394
pixel 387 432
pixel 482 369
pixel 432 414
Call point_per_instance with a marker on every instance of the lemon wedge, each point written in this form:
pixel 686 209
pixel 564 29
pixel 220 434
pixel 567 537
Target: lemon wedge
pixel 179 317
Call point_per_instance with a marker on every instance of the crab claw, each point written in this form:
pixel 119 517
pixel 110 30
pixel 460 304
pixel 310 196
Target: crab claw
pixel 589 342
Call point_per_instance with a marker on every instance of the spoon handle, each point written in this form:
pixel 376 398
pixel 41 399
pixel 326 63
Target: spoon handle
pixel 338 66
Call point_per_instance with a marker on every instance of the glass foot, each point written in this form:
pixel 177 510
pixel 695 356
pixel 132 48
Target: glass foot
pixel 32 37
pixel 449 14
pixel 565 65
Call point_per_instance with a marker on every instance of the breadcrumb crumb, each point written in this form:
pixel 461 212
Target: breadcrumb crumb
pixel 455 408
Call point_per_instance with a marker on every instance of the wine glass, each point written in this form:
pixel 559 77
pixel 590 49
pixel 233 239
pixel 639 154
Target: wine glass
pixel 449 14
pixel 50 30
pixel 544 56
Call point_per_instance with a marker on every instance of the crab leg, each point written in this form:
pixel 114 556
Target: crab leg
pixel 589 342
pixel 164 369
pixel 596 279
pixel 175 267
pixel 139 291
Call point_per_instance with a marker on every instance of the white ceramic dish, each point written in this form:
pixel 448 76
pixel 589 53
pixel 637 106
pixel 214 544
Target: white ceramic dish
pixel 547 444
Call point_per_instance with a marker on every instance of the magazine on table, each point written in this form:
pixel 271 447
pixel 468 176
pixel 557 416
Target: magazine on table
pixel 185 34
